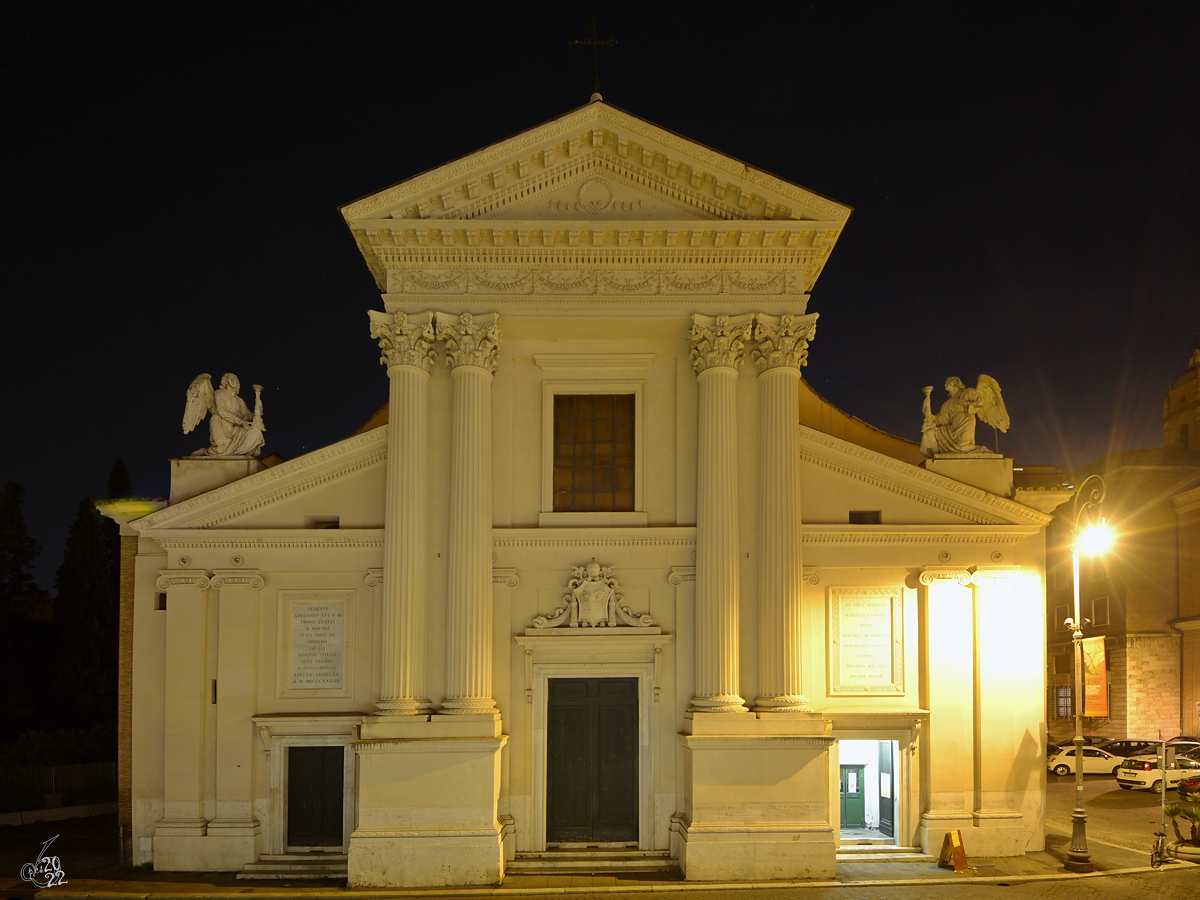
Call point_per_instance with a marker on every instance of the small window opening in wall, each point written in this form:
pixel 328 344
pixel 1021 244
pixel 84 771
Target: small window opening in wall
pixel 1099 612
pixel 322 522
pixel 594 452
pixel 160 601
pixel 866 517
pixel 1060 618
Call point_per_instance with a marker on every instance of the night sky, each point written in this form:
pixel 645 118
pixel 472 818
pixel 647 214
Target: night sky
pixel 1023 177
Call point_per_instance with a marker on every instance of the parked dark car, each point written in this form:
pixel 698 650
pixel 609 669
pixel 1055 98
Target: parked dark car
pixel 1130 747
pixel 1189 784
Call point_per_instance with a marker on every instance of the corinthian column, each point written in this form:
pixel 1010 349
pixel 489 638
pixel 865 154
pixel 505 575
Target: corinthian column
pixel 782 350
pixel 472 345
pixel 716 352
pixel 405 344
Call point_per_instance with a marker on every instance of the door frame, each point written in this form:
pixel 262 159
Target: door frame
pixel 644 673
pixel 277 733
pixel 905 728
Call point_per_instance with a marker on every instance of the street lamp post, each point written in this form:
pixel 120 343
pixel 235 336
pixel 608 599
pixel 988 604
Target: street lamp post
pixel 1092 539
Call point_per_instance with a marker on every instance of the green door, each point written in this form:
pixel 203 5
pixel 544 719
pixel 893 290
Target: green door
pixel 854 806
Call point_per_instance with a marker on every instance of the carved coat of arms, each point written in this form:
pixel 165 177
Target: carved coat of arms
pixel 592 601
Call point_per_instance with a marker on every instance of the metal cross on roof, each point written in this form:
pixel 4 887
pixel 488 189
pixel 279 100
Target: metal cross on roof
pixel 593 42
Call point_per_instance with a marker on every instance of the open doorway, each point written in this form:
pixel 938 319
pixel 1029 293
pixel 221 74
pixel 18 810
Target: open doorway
pixel 869 788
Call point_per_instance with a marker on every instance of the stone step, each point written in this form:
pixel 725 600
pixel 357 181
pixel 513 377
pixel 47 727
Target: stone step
pixel 890 854
pixel 591 862
pixel 875 847
pixel 298 866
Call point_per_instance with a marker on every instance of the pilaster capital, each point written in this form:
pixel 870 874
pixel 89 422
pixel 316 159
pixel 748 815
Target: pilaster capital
pixel 470 340
pixel 719 341
pixel 169 578
pixel 373 578
pixel 783 340
pixel 405 340
pixel 226 577
pixel 943 574
pixel 984 574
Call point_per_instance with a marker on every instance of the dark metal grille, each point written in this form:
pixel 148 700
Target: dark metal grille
pixel 593 452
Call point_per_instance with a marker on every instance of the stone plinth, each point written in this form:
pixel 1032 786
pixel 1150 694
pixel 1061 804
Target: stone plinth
pixel 756 798
pixel 193 476
pixel 992 474
pixel 427 812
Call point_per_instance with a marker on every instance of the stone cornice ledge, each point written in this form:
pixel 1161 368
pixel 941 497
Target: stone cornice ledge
pixel 273 485
pixel 917 534
pixel 634 536
pixel 755 741
pixel 269 539
pixel 859 462
pixel 433 745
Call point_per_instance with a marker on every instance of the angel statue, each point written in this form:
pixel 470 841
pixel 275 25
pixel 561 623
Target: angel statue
pixel 952 430
pixel 232 431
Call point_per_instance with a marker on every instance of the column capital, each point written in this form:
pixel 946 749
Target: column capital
pixel 994 573
pixel 405 340
pixel 783 340
pixel 470 340
pixel 225 577
pixel 934 574
pixel 169 578
pixel 719 341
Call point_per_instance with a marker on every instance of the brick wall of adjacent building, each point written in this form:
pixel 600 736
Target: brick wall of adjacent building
pixel 1144 672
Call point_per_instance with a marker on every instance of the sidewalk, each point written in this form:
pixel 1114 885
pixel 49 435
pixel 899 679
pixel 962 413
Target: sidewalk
pixel 87 850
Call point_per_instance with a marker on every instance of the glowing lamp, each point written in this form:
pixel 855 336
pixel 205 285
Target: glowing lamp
pixel 1094 539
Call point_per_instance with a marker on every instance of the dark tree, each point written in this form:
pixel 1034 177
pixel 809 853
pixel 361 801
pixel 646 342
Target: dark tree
pixel 26 611
pixel 119 487
pixel 86 616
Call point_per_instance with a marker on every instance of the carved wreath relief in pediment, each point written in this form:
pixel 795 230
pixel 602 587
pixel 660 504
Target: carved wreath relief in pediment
pixel 592 600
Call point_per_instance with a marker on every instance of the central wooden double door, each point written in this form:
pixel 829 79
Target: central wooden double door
pixel 592 760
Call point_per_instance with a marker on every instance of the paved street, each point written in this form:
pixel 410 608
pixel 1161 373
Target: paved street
pixel 1125 819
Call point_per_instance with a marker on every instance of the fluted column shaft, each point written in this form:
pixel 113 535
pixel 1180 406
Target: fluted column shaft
pixel 406 344
pixel 716 351
pixel 782 348
pixel 472 345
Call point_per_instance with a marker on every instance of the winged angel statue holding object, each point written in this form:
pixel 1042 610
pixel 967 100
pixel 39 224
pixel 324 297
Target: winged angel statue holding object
pixel 951 431
pixel 232 431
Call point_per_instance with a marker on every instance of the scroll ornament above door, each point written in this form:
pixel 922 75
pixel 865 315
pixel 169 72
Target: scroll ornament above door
pixel 592 600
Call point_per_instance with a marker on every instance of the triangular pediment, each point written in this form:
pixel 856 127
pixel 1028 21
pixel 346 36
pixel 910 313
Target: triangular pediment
pixel 639 162
pixel 840 476
pixel 343 481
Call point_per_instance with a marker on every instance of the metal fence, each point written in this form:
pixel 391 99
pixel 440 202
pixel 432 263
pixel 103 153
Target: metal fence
pixel 45 787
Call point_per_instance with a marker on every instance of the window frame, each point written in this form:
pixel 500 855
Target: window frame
pixel 552 388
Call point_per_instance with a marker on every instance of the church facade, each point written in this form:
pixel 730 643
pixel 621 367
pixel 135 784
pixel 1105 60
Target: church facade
pixel 605 575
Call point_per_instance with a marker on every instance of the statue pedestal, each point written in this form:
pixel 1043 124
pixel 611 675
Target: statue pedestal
pixel 992 473
pixel 196 475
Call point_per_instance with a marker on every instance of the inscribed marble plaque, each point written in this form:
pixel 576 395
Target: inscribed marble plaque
pixel 866 640
pixel 317 635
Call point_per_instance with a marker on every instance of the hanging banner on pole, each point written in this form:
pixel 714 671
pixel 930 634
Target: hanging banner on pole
pixel 1095 678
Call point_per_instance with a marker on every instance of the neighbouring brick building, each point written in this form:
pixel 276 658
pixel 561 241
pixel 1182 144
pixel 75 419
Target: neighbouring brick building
pixel 1144 595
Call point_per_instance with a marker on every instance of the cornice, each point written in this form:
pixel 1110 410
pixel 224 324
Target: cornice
pixel 918 534
pixel 266 488
pixel 594 537
pixel 398 241
pixel 270 539
pixel 596 129
pixel 908 480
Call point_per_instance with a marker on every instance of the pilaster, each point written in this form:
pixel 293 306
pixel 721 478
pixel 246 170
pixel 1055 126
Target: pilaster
pixel 405 344
pixel 782 349
pixel 1009 762
pixel 717 349
pixel 472 348
pixel 186 699
pixel 949 660
pixel 235 830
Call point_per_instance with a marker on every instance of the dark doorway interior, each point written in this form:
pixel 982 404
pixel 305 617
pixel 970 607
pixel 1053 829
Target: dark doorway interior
pixel 315 783
pixel 592 760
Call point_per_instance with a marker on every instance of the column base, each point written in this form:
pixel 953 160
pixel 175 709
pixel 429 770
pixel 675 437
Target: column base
pixel 733 854
pixel 193 845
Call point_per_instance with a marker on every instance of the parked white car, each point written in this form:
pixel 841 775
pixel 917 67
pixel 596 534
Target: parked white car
pixel 1096 761
pixel 1143 773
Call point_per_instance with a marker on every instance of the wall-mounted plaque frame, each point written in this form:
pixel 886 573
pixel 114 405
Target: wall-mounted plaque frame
pixel 865 630
pixel 316 631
